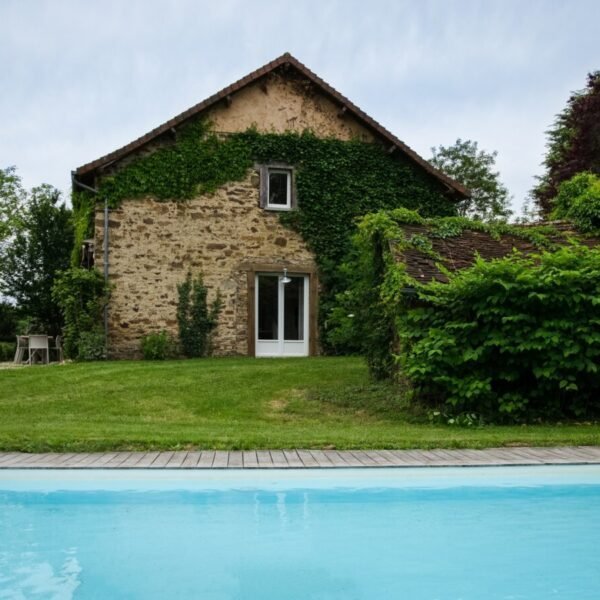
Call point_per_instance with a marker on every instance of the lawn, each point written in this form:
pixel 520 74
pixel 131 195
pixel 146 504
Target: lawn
pixel 231 403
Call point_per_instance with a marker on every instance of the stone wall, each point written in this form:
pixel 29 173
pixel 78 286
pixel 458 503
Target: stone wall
pixel 152 245
pixel 285 103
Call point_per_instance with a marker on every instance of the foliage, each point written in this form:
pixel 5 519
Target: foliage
pixel 35 254
pixel 8 322
pixel 194 318
pixel 573 143
pixel 7 351
pixel 12 199
pixel 82 218
pixel 91 345
pixel 513 339
pixel 578 200
pixel 81 295
pixel 474 168
pixel 379 288
pixel 337 181
pixel 158 346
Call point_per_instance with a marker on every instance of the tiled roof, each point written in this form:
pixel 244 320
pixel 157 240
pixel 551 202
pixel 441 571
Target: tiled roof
pixel 459 251
pixel 284 60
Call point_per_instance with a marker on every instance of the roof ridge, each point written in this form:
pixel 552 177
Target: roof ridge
pixel 285 58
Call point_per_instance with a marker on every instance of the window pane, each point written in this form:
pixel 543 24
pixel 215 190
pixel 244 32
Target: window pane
pixel 278 188
pixel 293 307
pixel 268 307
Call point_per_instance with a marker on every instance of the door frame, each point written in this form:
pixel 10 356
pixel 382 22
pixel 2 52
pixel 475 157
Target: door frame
pixel 280 344
pixel 297 270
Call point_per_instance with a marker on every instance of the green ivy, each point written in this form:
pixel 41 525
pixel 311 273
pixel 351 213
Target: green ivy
pixel 380 289
pixel 337 181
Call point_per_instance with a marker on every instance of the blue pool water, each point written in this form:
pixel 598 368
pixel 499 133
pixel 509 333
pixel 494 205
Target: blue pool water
pixel 518 533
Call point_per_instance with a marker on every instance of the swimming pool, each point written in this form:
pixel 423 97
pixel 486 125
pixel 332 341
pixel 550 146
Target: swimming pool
pixel 435 533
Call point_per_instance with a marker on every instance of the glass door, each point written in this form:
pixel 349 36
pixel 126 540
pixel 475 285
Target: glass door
pixel 281 315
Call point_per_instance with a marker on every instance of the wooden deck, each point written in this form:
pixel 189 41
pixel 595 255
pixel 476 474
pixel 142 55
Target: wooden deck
pixel 301 459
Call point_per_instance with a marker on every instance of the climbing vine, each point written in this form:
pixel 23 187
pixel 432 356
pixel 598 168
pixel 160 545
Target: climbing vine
pixel 337 181
pixel 379 288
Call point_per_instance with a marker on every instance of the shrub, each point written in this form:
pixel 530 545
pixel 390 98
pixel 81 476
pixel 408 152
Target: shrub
pixel 81 295
pixel 511 340
pixel 578 200
pixel 157 346
pixel 194 319
pixel 7 351
pixel 91 345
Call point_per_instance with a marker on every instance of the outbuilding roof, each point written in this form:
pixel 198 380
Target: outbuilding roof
pixel 284 61
pixel 460 251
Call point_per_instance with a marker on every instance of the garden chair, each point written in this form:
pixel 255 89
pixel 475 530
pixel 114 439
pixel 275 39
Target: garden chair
pixel 22 347
pixel 57 348
pixel 38 348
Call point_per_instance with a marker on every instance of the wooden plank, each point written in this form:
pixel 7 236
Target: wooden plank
pixel 388 457
pixel 62 460
pixel 236 460
pixel 279 460
pixel 593 451
pixel 9 457
pixel 334 458
pixel 364 458
pixel 206 459
pixel 161 460
pixel 118 460
pixel 191 460
pixel 147 460
pixel 221 459
pixel 321 458
pixel 250 460
pixel 264 459
pixel 377 458
pixel 349 458
pixel 131 460
pixel 26 460
pixel 176 460
pixel 307 458
pixel 293 459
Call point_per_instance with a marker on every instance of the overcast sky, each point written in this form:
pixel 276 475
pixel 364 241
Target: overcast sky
pixel 80 78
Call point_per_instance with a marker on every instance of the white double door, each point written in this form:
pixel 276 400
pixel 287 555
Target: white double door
pixel 281 320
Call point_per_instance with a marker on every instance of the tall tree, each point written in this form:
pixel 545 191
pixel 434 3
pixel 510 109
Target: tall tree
pixel 573 143
pixel 474 168
pixel 32 257
pixel 12 198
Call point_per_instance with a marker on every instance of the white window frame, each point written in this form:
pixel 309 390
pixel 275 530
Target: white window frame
pixel 288 204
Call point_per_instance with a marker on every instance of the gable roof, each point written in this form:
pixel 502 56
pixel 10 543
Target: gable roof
pixel 284 60
pixel 460 251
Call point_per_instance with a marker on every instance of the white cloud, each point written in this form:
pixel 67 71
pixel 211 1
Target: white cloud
pixel 80 79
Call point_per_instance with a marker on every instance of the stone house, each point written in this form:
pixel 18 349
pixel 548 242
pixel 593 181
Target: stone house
pixel 266 273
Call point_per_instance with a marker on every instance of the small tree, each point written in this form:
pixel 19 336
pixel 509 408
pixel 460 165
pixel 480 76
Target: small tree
pixel 39 249
pixel 194 318
pixel 474 168
pixel 81 295
pixel 12 199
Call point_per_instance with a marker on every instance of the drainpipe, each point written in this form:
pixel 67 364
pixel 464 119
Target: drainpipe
pixel 104 248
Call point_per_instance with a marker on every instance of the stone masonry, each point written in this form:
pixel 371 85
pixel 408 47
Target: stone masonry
pixel 152 245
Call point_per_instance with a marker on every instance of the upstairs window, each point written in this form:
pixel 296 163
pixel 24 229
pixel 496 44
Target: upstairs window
pixel 277 187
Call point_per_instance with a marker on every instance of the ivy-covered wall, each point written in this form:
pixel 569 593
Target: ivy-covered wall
pixel 337 182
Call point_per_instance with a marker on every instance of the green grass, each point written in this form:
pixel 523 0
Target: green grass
pixel 232 403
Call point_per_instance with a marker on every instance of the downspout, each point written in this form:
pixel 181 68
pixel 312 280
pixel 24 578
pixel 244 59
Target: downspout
pixel 104 249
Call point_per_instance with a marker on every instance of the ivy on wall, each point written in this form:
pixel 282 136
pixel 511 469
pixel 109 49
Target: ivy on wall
pixel 337 181
pixel 379 288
